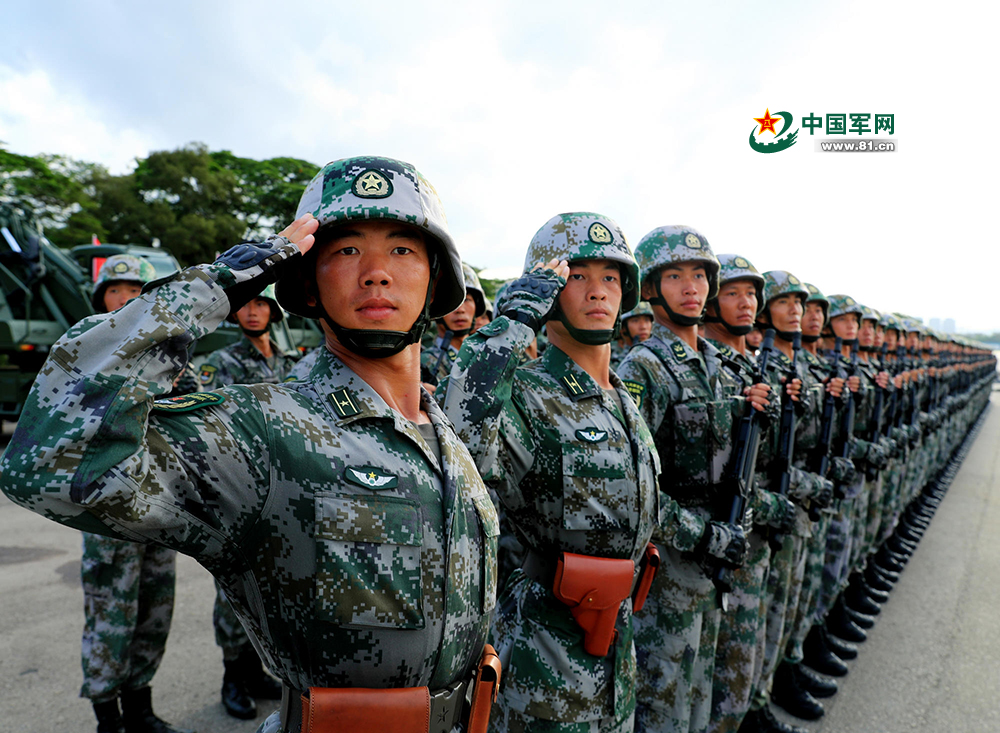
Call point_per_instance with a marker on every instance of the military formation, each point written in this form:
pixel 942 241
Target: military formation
pixel 641 490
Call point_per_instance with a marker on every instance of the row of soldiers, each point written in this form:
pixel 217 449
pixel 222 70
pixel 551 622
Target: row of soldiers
pixel 547 543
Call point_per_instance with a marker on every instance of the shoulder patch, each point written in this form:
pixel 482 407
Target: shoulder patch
pixel 635 390
pixel 207 374
pixel 343 403
pixel 678 350
pixel 188 402
pixel 572 386
pixel 370 477
pixel 592 435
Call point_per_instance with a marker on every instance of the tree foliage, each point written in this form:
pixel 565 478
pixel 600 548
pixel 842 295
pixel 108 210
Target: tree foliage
pixel 196 203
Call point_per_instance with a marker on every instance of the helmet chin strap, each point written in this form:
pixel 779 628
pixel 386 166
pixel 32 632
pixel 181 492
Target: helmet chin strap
pixel 809 339
pixel 734 330
pixel 783 335
pixel 591 336
pixel 254 332
pixel 676 317
pixel 374 343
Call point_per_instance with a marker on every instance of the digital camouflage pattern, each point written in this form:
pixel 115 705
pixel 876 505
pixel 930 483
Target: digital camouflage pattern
pixel 736 267
pixel 296 496
pixel 128 596
pixel 782 282
pixel 436 361
pixel 688 401
pixel 474 288
pixel 242 363
pixel 575 471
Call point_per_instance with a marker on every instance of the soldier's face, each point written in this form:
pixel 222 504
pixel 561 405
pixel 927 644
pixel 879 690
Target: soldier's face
pixel 845 326
pixel 866 334
pixel 786 312
pixel 891 339
pixel 461 318
pixel 738 302
pixel 812 319
pixel 593 295
pixel 639 327
pixel 255 315
pixel 373 274
pixel 879 336
pixel 119 293
pixel 684 287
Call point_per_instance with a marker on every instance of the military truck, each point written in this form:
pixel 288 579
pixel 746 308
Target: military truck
pixel 45 289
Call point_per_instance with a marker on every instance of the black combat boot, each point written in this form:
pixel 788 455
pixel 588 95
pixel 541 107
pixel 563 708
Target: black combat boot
pixel 863 620
pixel 839 623
pixel 138 715
pixel 817 685
pixel 819 656
pixel 236 698
pixel 877 580
pixel 258 682
pixel 109 717
pixel 763 721
pixel 858 597
pixel 790 695
pixel 843 649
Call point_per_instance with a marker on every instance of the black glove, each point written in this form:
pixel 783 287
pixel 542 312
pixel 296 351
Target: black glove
pixel 726 544
pixel 531 297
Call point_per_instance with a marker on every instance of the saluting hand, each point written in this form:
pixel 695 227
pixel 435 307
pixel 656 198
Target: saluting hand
pixel 301 232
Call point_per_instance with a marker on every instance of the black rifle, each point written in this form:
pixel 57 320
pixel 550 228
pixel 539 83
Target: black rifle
pixel 743 464
pixel 786 438
pixel 850 404
pixel 876 429
pixel 827 421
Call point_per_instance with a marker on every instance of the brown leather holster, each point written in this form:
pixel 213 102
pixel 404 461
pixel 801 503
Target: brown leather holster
pixel 648 566
pixel 407 709
pixel 593 588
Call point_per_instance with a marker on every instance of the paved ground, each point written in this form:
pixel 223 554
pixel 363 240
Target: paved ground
pixel 932 662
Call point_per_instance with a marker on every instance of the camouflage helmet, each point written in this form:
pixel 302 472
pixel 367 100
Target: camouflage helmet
pixel 670 245
pixel 642 308
pixel 474 288
pixel 373 188
pixel 735 267
pixel 841 305
pixel 870 314
pixel 120 268
pixel 782 282
pixel 277 315
pixel 890 322
pixel 816 296
pixel 488 311
pixel 582 235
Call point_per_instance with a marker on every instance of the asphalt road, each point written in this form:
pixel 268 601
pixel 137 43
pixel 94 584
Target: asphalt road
pixel 931 663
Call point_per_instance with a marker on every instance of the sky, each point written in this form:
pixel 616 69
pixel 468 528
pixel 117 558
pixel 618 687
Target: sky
pixel 517 111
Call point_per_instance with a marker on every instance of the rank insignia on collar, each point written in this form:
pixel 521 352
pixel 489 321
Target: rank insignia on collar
pixel 372 184
pixel 188 402
pixel 572 385
pixel 343 403
pixel 370 477
pixel 592 435
pixel 727 352
pixel 680 353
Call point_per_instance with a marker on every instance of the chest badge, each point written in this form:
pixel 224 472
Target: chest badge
pixel 371 477
pixel 680 353
pixel 592 435
pixel 207 374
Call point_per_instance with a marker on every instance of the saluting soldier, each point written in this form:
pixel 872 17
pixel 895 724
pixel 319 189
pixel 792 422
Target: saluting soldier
pixel 573 464
pixel 436 361
pixel 343 517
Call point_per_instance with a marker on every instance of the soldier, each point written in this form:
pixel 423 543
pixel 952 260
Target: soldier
pixel 128 588
pixel 676 378
pixel 436 361
pixel 343 517
pixel 486 317
pixel 637 324
pixel 728 319
pixel 574 467
pixel 254 359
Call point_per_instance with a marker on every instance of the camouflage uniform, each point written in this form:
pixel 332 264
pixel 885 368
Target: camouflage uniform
pixel 575 470
pixel 242 363
pixel 436 360
pixel 354 553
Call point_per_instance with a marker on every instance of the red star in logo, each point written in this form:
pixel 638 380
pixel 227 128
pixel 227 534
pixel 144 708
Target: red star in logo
pixel 767 122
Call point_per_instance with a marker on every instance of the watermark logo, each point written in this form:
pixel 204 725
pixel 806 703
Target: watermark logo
pixel 784 138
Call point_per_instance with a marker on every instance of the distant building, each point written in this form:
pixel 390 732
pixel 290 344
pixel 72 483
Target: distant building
pixel 948 326
pixel 936 324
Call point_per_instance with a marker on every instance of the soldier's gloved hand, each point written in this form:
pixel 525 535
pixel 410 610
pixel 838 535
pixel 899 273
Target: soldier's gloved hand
pixel 531 297
pixel 725 543
pixel 783 515
pixel 899 435
pixel 823 494
pixel 842 470
pixel 876 456
pixel 888 447
pixel 859 448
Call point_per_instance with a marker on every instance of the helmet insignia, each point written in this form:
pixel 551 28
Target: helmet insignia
pixel 741 263
pixel 121 267
pixel 599 234
pixel 793 280
pixel 371 184
pixel 692 241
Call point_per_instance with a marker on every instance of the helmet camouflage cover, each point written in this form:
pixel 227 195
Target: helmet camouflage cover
pixel 579 236
pixel 735 267
pixel 641 309
pixel 670 245
pixel 277 315
pixel 373 188
pixel 474 288
pixel 841 305
pixel 782 282
pixel 120 268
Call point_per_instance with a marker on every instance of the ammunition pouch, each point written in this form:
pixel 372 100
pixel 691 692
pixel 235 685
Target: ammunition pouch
pixel 648 566
pixel 593 588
